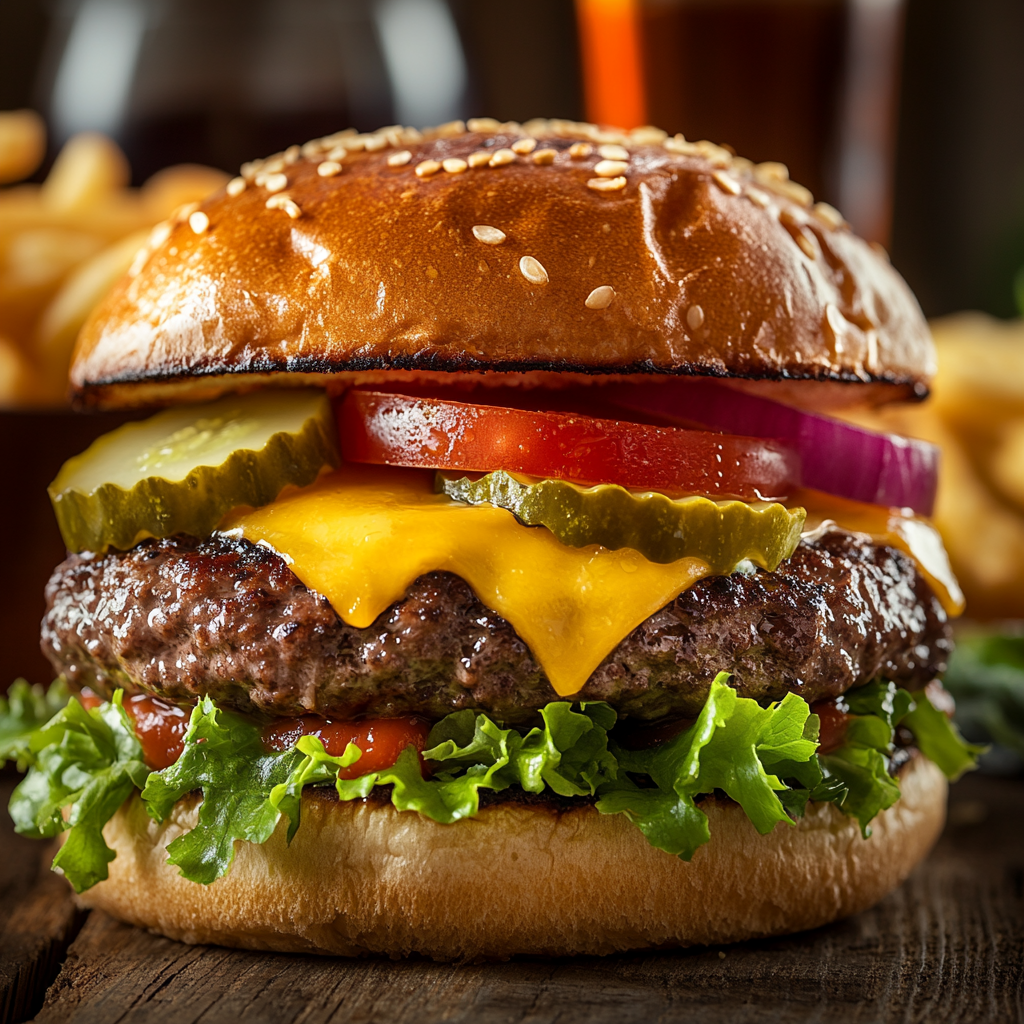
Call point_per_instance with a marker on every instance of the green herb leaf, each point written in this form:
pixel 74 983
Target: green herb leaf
pixel 89 761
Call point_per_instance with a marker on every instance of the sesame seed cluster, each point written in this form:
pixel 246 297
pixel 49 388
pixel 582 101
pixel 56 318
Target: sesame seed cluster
pixel 608 153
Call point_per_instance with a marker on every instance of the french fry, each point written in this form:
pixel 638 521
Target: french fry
pixel 62 319
pixel 65 242
pixel 175 186
pixel 1006 464
pixel 22 144
pixel 981 372
pixel 88 170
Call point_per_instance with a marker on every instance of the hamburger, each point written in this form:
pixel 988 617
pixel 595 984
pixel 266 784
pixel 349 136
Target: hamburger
pixel 503 572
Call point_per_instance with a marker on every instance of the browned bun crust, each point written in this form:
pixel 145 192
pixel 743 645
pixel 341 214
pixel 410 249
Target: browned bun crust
pixel 363 877
pixel 718 267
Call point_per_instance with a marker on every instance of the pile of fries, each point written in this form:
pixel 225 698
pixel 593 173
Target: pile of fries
pixel 63 243
pixel 976 415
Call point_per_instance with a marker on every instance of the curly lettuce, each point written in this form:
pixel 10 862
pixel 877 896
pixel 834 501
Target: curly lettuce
pixel 82 765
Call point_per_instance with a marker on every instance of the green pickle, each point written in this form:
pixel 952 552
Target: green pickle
pixel 184 469
pixel 723 534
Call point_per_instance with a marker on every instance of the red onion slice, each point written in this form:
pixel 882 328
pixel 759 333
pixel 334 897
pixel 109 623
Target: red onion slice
pixel 835 457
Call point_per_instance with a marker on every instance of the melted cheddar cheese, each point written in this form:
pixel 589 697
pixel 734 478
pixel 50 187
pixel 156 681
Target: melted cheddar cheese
pixel 361 535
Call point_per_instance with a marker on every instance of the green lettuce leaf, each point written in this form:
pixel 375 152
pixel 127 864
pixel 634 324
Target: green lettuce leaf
pixel 939 740
pixel 224 757
pixel 25 709
pixel 89 762
pixel 727 748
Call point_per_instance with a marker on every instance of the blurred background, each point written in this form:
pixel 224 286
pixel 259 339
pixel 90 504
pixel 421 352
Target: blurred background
pixel 907 115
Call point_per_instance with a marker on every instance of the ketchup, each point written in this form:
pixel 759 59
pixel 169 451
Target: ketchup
pixel 159 726
pixel 381 740
pixel 833 725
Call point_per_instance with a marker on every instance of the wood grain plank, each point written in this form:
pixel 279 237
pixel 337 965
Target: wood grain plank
pixel 948 946
pixel 38 920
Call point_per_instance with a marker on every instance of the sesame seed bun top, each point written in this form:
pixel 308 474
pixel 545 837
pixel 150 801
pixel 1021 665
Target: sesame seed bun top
pixel 532 250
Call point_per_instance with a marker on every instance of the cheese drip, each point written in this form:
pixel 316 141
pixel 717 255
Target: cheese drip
pixel 892 528
pixel 360 536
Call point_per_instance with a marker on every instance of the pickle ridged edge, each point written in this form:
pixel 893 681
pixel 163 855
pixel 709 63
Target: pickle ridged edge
pixel 720 533
pixel 112 516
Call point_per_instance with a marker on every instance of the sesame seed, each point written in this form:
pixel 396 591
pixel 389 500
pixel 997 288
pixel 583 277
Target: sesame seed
pixel 275 182
pixel 274 164
pixel 727 182
pixel 328 169
pixel 800 234
pixel 647 136
pixel 610 168
pixel 606 184
pixel 399 159
pixel 159 235
pixel 830 215
pixel 313 148
pixel 292 154
pixel 524 146
pixel 545 156
pixel 183 212
pixel 199 222
pixel 755 195
pixel 695 317
pixel 580 150
pixel 501 158
pixel 235 187
pixel 480 158
pixel 338 153
pixel 286 203
pixel 609 152
pixel 376 142
pixel 806 245
pixel 488 235
pixel 533 270
pixel 450 129
pixel 601 297
pixel 483 124
pixel 248 170
pixel 678 146
pixel 426 168
pixel 454 166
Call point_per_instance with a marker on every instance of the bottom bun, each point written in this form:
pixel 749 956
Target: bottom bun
pixel 362 877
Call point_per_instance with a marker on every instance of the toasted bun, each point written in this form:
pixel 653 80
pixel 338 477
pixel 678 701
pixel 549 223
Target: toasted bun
pixel 701 263
pixel 362 877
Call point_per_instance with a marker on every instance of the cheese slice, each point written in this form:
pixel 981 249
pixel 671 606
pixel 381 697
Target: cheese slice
pixel 361 535
pixel 894 528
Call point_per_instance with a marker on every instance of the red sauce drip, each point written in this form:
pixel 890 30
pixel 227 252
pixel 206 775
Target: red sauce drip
pixel 381 740
pixel 833 725
pixel 159 726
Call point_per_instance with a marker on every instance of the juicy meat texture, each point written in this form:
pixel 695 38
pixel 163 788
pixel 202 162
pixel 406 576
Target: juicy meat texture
pixel 183 617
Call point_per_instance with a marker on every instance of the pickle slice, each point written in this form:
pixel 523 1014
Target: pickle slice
pixel 182 470
pixel 720 533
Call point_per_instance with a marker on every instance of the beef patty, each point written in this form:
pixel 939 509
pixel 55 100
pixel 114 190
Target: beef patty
pixel 182 617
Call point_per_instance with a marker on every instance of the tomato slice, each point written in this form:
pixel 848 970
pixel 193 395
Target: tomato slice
pixel 439 433
pixel 381 740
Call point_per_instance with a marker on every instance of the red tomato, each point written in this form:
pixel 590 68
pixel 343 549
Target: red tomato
pixel 435 433
pixel 380 739
pixel 832 730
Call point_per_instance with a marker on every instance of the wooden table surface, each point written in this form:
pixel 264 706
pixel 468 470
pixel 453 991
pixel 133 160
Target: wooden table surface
pixel 947 946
